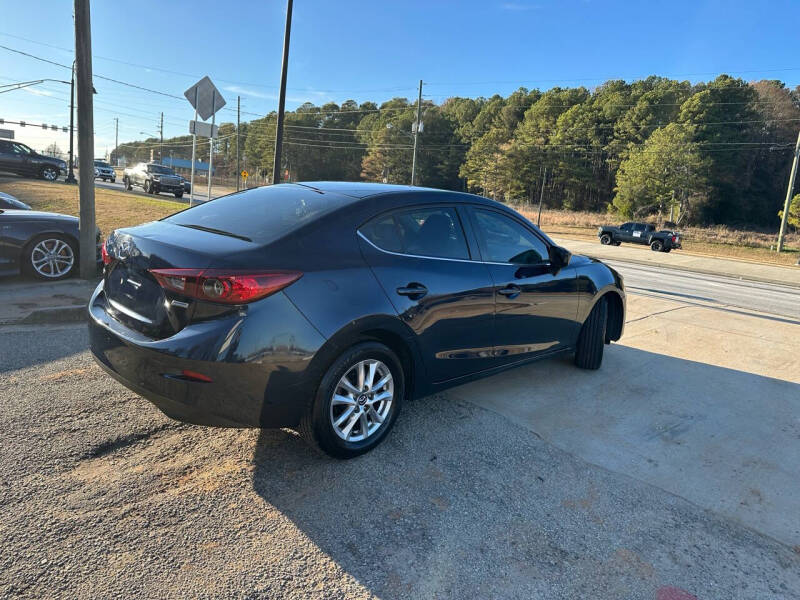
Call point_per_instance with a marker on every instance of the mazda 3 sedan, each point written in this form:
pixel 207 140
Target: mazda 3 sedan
pixel 324 306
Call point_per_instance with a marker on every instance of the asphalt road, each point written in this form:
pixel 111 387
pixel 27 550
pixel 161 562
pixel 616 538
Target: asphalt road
pixel 722 291
pixel 201 194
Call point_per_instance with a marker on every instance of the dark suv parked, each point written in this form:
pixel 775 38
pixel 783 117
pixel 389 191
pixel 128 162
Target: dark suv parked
pixel 17 158
pixel 323 306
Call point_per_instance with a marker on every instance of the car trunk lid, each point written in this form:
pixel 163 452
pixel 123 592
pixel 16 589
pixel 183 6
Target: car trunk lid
pixel 134 295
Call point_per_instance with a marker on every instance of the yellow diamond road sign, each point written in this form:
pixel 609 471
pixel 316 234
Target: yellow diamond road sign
pixel 245 174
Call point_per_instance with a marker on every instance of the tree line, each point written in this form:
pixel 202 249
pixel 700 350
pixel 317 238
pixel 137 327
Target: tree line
pixel 715 152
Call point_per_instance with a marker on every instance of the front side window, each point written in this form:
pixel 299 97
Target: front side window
pixel 503 240
pixel 434 232
pixel 626 226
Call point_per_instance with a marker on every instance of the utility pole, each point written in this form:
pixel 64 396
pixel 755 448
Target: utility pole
pixel 541 197
pixel 276 167
pixel 789 191
pixel 83 63
pixel 238 115
pixel 116 140
pixel 211 142
pixel 194 151
pixel 416 136
pixel 71 174
pixel 161 146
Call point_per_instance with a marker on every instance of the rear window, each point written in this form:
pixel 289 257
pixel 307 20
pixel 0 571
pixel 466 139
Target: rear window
pixel 262 214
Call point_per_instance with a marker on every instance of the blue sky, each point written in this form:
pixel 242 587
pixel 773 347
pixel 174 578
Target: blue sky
pixel 374 50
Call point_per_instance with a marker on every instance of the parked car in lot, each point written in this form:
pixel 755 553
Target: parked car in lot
pixel 153 178
pixel 104 171
pixel 9 201
pixel 324 306
pixel 41 244
pixel 640 233
pixel 17 158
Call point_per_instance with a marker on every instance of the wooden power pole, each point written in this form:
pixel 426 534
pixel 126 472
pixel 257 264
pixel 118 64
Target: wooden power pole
pixel 83 71
pixel 276 167
pixel 789 191
pixel 416 136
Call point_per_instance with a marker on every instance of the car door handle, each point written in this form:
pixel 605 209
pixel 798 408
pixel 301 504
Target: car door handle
pixel 415 291
pixel 511 291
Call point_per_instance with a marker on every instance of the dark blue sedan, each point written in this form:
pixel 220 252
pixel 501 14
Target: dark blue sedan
pixel 323 306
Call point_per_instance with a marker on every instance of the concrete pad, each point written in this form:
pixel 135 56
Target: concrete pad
pixel 698 401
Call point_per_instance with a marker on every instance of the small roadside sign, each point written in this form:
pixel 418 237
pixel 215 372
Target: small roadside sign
pixel 245 174
pixel 205 98
pixel 203 129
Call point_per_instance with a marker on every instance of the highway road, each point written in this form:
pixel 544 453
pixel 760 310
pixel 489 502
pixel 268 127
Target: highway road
pixel 691 287
pixel 200 195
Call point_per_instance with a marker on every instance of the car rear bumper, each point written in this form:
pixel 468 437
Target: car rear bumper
pixel 258 378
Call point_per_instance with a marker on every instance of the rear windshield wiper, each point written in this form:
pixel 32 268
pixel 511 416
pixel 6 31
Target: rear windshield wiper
pixel 217 231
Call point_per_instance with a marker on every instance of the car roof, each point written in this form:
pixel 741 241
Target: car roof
pixel 362 191
pixel 356 189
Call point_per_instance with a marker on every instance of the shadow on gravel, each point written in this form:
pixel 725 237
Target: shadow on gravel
pixel 123 441
pixel 461 502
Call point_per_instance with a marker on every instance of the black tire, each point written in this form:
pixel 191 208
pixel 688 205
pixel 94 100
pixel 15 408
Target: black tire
pixel 179 194
pixel 127 183
pixel 617 243
pixel 656 245
pixel 27 257
pixel 316 427
pixel 667 249
pixel 148 187
pixel 592 338
pixel 606 239
pixel 48 173
pixel 113 180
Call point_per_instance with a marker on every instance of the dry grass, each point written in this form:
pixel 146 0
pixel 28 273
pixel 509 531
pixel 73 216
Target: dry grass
pixel 716 241
pixel 119 209
pixel 113 209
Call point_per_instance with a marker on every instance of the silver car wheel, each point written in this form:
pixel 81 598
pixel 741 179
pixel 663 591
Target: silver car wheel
pixel 52 258
pixel 362 400
pixel 50 173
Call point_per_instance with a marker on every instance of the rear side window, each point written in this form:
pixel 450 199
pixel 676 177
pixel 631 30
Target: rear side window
pixel 263 214
pixel 434 232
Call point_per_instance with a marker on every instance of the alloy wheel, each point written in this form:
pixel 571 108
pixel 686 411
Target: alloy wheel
pixel 49 173
pixel 52 258
pixel 362 400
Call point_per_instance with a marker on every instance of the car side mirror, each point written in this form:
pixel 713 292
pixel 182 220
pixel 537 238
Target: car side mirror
pixel 559 257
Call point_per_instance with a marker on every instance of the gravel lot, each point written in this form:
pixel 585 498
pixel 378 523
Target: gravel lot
pixel 102 496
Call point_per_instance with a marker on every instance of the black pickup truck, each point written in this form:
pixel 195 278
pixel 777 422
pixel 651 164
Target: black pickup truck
pixel 640 233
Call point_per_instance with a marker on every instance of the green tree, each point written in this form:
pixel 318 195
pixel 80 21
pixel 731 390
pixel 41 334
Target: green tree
pixel 794 213
pixel 667 170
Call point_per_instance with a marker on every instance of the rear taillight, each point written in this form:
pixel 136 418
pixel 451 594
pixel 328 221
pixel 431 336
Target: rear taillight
pixel 104 253
pixel 674 238
pixel 220 285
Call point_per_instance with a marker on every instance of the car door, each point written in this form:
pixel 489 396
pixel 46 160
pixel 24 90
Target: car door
pixel 625 232
pixel 10 160
pixel 536 306
pixel 639 233
pixel 422 260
